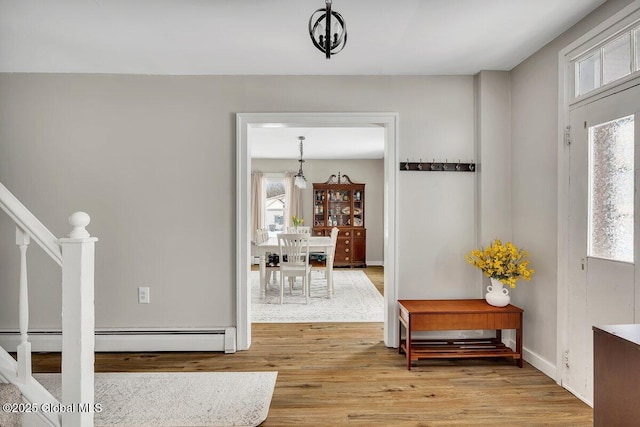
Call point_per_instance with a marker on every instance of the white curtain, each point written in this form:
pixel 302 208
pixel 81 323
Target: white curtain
pixel 258 198
pixel 291 198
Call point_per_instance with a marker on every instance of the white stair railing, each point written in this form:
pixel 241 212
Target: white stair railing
pixel 75 255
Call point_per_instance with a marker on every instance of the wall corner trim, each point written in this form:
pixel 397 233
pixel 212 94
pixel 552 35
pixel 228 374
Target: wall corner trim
pixel 537 361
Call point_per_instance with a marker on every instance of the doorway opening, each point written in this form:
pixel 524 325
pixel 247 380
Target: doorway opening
pixel 247 121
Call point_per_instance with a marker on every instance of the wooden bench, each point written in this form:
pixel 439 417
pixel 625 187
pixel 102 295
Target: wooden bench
pixel 466 314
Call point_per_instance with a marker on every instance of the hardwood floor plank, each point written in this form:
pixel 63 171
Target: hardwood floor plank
pixel 333 374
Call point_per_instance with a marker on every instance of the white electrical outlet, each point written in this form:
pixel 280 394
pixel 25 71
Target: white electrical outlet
pixel 143 295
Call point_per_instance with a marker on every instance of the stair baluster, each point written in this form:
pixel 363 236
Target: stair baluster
pixel 24 348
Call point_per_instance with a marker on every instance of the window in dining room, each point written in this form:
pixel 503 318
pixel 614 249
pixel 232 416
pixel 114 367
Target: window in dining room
pixel 274 202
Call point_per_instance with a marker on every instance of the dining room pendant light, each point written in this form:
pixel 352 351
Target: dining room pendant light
pixel 328 30
pixel 300 180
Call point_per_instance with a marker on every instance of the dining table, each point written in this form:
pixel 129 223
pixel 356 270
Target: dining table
pixel 316 244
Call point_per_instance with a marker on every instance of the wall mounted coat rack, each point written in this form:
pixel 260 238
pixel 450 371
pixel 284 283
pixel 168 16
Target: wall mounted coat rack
pixel 434 166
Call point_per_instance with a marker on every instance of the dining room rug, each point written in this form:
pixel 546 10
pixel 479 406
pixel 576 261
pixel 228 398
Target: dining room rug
pixel 177 398
pixel 356 299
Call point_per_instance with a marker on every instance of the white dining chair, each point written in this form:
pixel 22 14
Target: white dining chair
pixel 262 235
pixel 322 266
pixel 294 261
pixel 301 229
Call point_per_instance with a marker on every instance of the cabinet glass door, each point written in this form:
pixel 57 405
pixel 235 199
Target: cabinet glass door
pixel 318 208
pixel 358 208
pixel 339 208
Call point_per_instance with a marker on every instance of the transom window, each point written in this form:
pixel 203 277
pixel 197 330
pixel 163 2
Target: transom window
pixel 608 62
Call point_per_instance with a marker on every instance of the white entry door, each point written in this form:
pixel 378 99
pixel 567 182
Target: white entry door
pixel 603 230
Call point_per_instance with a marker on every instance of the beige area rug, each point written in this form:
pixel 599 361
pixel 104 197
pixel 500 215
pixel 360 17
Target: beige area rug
pixel 356 300
pixel 178 399
pixel 10 394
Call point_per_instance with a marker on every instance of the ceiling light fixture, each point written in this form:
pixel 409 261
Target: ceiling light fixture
pixel 327 34
pixel 300 180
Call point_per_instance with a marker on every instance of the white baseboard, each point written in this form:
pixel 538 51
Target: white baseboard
pixel 535 360
pixel 578 395
pixel 375 263
pixel 139 340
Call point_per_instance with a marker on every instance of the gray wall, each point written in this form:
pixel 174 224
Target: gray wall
pixel 152 160
pixel 369 172
pixel 534 111
pixel 493 121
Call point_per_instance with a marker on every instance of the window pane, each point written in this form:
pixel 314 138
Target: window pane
pixel 611 190
pixel 617 58
pixel 589 73
pixel 274 204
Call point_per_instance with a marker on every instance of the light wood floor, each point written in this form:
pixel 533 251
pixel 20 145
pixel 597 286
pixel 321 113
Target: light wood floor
pixel 333 374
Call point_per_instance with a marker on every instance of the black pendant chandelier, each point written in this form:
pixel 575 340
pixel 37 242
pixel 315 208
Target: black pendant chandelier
pixel 300 181
pixel 328 30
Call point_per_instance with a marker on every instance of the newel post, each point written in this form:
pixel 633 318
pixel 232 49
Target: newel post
pixel 78 322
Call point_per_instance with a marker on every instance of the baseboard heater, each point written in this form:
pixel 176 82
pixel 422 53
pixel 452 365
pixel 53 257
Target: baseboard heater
pixel 130 340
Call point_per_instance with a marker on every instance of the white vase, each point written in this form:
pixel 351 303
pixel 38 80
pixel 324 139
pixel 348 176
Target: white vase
pixel 497 294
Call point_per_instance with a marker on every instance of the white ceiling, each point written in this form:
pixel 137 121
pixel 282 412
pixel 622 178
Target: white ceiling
pixel 270 37
pixel 319 143
pixel 187 37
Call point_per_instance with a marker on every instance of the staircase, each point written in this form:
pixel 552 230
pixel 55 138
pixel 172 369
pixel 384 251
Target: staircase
pixel 75 256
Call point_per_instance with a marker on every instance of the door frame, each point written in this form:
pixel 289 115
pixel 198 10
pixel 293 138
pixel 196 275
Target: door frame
pixel 389 121
pixel 565 90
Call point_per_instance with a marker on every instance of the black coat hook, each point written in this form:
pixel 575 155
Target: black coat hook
pixel 434 166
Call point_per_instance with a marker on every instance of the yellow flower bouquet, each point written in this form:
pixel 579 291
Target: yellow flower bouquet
pixel 505 263
pixel 297 221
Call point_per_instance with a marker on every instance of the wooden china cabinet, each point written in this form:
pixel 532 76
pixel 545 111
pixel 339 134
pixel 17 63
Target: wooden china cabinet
pixel 339 202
